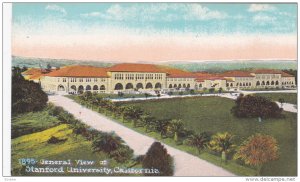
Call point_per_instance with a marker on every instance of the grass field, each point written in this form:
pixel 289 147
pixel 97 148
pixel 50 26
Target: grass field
pixel 35 146
pixel 212 114
pixel 288 97
pixel 116 96
pixel 32 122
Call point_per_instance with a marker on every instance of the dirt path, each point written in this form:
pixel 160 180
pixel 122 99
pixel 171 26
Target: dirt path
pixel 185 164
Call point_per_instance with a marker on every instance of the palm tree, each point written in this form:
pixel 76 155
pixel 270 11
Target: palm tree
pixel 161 126
pixel 223 143
pixel 199 141
pixel 175 127
pixel 147 121
pixel 133 112
pixel 107 142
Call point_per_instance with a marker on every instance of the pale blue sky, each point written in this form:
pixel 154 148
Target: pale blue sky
pixel 155 31
pixel 178 17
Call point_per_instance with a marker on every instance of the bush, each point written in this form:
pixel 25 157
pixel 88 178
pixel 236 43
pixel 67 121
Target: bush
pixel 55 110
pixel 158 158
pixel 113 145
pixel 122 154
pixel 55 140
pixel 256 106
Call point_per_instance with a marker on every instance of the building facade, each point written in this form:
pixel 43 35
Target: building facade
pixel 133 78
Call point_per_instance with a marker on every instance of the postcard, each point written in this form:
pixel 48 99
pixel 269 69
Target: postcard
pixel 153 89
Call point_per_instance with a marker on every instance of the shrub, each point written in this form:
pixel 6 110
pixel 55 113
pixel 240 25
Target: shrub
pixel 158 158
pixel 122 154
pixel 55 140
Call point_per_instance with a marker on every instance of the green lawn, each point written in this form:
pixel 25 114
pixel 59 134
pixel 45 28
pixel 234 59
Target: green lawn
pixel 35 146
pixel 32 122
pixel 116 96
pixel 288 97
pixel 212 114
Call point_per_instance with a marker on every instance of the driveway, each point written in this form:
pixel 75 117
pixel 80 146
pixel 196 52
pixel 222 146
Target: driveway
pixel 185 164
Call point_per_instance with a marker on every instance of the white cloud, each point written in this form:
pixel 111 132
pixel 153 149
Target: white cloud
pixel 166 12
pixel 262 19
pixel 54 7
pixel 199 12
pixel 92 14
pixel 260 7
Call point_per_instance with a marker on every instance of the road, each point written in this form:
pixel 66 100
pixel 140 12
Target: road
pixel 185 164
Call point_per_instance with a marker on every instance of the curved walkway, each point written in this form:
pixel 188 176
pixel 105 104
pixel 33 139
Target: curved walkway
pixel 185 164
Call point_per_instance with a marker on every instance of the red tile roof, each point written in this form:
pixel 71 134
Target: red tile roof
pixel 284 74
pixel 201 76
pixel 130 67
pixel 267 71
pixel 201 79
pixel 79 71
pixel 176 73
pixel 32 71
pixel 236 73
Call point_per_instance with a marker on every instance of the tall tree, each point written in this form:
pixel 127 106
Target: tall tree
pixel 27 96
pixel 257 150
pixel 158 158
pixel 256 106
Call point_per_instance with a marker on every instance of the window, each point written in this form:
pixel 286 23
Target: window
pixel 95 79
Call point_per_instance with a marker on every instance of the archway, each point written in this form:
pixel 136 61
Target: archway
pixel 129 86
pixel 231 85
pixel 158 85
pixel 184 85
pixel 139 86
pixel 73 88
pixel 188 85
pixel 179 86
pixel 268 83
pixel 80 89
pixel 95 87
pixel 102 87
pixel 277 83
pixel 272 82
pixel 88 88
pixel 175 85
pixel 257 83
pixel 149 86
pixel 60 88
pixel 118 86
pixel 170 86
pixel 263 83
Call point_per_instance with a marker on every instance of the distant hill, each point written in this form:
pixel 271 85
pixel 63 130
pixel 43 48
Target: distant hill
pixel 210 66
pixel 36 62
pixel 213 66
